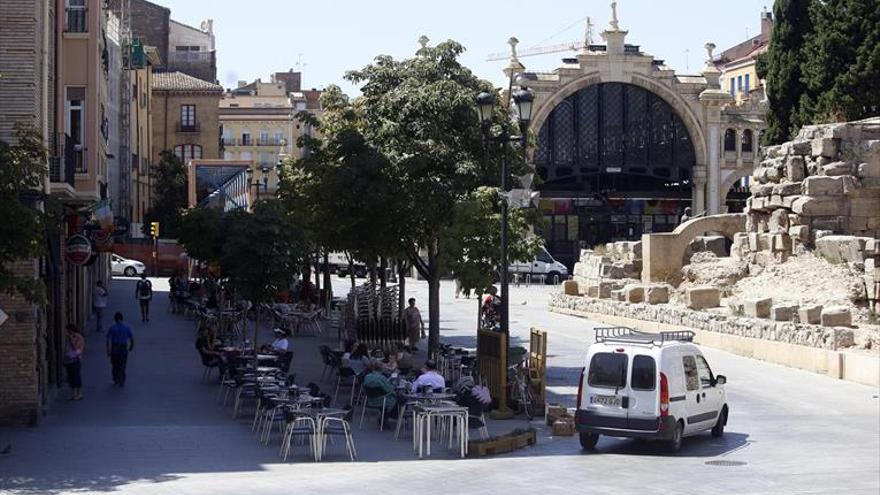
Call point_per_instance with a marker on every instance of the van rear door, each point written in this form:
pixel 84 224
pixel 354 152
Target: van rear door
pixel 643 393
pixel 605 391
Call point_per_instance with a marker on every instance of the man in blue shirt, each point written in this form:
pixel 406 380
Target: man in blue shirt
pixel 120 342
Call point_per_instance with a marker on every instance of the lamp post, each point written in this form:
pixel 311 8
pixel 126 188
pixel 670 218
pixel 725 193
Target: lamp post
pixel 523 99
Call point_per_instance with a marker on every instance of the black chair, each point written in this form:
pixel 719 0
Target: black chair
pixel 331 362
pixel 209 362
pixel 345 378
pixel 284 361
pixel 375 393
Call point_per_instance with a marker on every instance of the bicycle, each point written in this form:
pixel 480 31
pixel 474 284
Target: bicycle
pixel 519 389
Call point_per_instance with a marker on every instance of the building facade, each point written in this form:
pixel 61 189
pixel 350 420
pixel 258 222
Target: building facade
pixel 737 64
pixel 260 125
pixel 191 50
pixel 624 144
pixel 185 116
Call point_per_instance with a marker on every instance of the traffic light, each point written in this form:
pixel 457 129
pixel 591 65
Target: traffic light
pixel 154 229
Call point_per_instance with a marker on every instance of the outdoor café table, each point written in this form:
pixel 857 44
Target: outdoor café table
pixel 409 400
pixel 424 416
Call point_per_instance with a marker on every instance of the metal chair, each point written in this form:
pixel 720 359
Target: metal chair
pixel 332 426
pixel 376 394
pixel 345 378
pixel 298 425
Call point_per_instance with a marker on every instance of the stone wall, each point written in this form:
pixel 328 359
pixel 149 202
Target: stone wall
pixel 615 261
pixel 825 182
pixel 786 332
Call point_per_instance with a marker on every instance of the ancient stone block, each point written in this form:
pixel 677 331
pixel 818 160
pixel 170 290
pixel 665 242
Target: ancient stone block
pixel 818 185
pixel 830 223
pixel 778 221
pixel 783 312
pixel 787 188
pixel 864 207
pixel 772 151
pixel 762 190
pixel 800 147
pixel 764 241
pixel 869 169
pixel 634 293
pixel 753 241
pixel 702 297
pixel 836 316
pixel 814 206
pixel 800 233
pixel 795 168
pixel 872 247
pixel 637 250
pixel 657 294
pixel 826 147
pixel 775 201
pixel 811 315
pixel 570 287
pixel 774 174
pixel 617 295
pixel 834 248
pixel 605 289
pixel 838 168
pixel 788 201
pixel 758 308
pixel 780 242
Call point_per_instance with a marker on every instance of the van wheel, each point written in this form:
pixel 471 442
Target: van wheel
pixel 552 278
pixel 674 443
pixel 589 440
pixel 718 429
pixel 130 271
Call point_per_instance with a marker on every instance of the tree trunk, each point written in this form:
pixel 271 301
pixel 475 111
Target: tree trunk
pixel 328 283
pixel 371 268
pixel 401 281
pixel 318 272
pixel 433 297
pixel 382 272
pixel 351 272
pixel 256 334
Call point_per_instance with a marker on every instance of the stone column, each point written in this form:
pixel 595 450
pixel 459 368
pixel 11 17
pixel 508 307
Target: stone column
pixel 699 192
pixel 713 175
pixel 739 157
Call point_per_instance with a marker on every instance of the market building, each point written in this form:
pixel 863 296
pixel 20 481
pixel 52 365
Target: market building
pixel 625 144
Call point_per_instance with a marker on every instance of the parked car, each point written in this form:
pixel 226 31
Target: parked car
pixel 655 386
pixel 125 266
pixel 360 270
pixel 543 264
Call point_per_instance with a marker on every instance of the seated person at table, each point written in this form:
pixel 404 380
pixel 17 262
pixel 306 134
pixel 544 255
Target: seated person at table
pixel 429 378
pixel 356 357
pixel 376 380
pixel 279 345
pixel 205 346
pixel 405 362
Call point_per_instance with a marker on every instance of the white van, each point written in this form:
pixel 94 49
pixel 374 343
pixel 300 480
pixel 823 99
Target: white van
pixel 648 385
pixel 553 271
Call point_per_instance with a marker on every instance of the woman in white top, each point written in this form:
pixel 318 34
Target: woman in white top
pixel 280 344
pixel 100 302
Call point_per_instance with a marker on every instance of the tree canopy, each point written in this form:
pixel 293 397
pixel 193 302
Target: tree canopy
pixel 169 194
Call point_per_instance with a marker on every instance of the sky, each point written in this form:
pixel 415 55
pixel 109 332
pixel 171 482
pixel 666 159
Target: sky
pixel 324 39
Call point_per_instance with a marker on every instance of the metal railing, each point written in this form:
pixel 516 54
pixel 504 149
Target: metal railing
pixel 76 19
pixel 188 127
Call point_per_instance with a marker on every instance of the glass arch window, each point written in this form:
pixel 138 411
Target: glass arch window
pixel 613 135
pixel 729 140
pixel 746 142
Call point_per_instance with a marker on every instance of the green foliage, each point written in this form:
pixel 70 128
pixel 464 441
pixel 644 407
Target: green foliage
pixel 472 250
pixel 842 70
pixel 169 194
pixel 22 231
pixel 781 67
pixel 202 234
pixel 822 65
pixel 262 251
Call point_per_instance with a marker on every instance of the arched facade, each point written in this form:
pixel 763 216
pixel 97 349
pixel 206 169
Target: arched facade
pixel 624 144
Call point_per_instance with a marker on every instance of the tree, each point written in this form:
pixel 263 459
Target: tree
pixel 842 69
pixel 22 231
pixel 169 194
pixel 420 113
pixel 202 234
pixel 781 67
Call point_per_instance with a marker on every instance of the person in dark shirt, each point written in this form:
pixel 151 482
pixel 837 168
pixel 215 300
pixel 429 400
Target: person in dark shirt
pixel 120 342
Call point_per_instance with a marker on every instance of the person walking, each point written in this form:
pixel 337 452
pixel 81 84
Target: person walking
pixel 100 304
pixel 415 327
pixel 76 343
pixel 120 342
pixel 144 294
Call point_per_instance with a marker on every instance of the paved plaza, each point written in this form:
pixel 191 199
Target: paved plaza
pixel 165 433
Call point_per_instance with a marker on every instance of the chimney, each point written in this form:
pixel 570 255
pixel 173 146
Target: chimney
pixel 766 23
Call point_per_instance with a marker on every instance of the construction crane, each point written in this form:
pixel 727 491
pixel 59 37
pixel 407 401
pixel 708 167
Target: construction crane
pixel 544 50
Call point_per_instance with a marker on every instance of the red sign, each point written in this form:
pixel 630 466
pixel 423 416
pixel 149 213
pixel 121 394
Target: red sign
pixel 78 250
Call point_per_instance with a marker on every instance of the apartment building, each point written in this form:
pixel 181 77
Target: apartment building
pixel 185 113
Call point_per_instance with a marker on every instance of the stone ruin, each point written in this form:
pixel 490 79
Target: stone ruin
pixel 819 194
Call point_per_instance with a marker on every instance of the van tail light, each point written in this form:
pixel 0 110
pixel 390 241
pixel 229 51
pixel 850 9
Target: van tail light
pixel 664 395
pixel 580 387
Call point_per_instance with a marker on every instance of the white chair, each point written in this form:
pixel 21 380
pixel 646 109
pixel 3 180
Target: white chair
pixel 299 426
pixel 330 427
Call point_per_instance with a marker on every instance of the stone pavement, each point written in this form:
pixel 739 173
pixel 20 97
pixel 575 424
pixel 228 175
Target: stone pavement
pixel 164 433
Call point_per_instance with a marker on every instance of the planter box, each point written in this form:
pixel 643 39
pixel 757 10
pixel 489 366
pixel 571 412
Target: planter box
pixel 502 444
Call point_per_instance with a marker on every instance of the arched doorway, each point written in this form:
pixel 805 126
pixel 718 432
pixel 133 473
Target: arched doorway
pixel 615 161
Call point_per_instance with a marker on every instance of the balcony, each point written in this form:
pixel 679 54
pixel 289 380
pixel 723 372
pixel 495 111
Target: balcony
pixel 76 19
pixel 270 142
pixel 67 162
pixel 189 127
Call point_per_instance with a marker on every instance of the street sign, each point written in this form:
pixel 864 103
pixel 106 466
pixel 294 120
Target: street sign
pixel 78 250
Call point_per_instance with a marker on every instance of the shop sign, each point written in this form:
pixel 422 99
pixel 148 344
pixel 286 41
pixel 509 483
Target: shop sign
pixel 78 250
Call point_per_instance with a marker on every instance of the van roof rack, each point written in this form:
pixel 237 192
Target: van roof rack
pixel 628 335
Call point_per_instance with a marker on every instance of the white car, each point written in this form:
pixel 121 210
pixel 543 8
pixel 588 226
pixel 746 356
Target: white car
pixel 125 266
pixel 655 386
pixel 543 264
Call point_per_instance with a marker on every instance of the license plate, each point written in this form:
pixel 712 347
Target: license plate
pixel 605 400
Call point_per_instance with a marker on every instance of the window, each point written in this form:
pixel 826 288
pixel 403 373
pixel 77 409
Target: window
pixel 732 87
pixel 279 136
pixel 187 118
pixel 264 158
pixel 75 128
pixel 644 373
pixel 746 141
pixel 730 140
pixel 187 152
pixel 544 256
pixel 705 373
pixel 245 155
pixel 76 16
pixel 692 378
pixel 245 137
pixel 264 136
pixel 739 83
pixel 227 155
pixel 747 83
pixel 607 370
